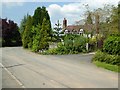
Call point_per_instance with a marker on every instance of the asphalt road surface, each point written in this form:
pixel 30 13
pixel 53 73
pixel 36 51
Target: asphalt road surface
pixel 24 69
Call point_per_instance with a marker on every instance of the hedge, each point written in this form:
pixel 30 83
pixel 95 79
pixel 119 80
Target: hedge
pixel 112 45
pixel 107 58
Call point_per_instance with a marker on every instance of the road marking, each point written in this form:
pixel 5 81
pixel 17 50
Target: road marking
pixel 12 76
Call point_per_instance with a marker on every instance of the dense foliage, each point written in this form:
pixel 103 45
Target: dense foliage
pixel 75 43
pixel 37 30
pixel 10 33
pixel 112 45
pixel 107 58
pixel 23 24
pixel 72 44
pixel 26 37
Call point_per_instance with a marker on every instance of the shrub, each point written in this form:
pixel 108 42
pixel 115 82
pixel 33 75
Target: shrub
pixel 50 51
pixel 112 45
pixel 79 44
pixel 61 49
pixel 96 42
pixel 107 58
pixel 68 42
pixel 75 43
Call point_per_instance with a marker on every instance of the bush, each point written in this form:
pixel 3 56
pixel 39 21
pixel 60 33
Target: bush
pixel 68 42
pixel 112 45
pixel 80 44
pixel 107 58
pixel 75 43
pixel 96 42
pixel 50 51
pixel 61 49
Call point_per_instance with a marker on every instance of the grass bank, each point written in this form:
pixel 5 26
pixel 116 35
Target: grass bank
pixel 114 68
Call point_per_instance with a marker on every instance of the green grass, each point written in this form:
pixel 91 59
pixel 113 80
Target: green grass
pixel 114 68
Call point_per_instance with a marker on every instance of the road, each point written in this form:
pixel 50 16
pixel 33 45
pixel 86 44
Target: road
pixel 24 69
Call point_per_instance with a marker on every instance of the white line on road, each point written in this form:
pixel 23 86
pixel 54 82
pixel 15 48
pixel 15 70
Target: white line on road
pixel 12 76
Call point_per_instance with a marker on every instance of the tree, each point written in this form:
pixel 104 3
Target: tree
pixel 44 35
pixel 119 16
pixel 37 31
pixel 10 34
pixel 27 36
pixel 43 31
pixel 36 37
pixel 89 19
pixel 23 24
pixel 97 23
pixel 114 20
pixel 39 15
pixel 57 30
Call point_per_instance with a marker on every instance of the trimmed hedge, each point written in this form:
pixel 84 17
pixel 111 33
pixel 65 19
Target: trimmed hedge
pixel 107 58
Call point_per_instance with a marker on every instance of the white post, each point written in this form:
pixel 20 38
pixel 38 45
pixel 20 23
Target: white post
pixel 87 46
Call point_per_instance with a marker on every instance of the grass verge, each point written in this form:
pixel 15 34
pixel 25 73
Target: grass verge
pixel 114 68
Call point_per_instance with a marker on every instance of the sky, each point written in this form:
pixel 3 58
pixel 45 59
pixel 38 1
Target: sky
pixel 72 10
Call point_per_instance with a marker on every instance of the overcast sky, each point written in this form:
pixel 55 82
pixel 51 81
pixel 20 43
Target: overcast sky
pixel 58 9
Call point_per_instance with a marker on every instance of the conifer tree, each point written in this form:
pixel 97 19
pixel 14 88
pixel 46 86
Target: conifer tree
pixel 44 35
pixel 37 31
pixel 27 32
pixel 23 24
pixel 36 37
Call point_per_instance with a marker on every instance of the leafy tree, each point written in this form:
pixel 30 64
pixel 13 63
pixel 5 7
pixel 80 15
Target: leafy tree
pixel 89 19
pixel 114 20
pixel 10 34
pixel 119 17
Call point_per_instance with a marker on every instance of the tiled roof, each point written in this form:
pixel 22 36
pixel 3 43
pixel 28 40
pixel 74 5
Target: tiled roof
pixel 73 27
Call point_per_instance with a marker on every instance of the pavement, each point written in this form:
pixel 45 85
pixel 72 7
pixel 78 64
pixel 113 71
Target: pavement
pixel 24 69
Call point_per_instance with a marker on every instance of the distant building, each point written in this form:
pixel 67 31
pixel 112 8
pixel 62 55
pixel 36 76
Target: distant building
pixel 73 29
pixel 77 29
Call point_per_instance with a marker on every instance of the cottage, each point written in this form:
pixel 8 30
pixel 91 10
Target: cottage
pixel 73 29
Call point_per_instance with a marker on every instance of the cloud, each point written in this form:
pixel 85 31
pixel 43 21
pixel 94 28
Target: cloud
pixel 70 11
pixel 75 11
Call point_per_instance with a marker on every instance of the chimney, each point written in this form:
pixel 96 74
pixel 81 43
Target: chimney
pixel 64 24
